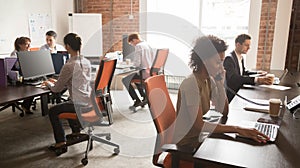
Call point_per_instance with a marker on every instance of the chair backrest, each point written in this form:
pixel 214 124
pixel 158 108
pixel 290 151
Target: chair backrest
pixel 159 61
pixel 34 49
pixel 91 116
pixel 162 112
pixel 3 78
pixel 102 85
pixel 104 75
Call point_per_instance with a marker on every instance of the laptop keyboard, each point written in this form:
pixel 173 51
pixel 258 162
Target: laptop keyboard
pixel 268 129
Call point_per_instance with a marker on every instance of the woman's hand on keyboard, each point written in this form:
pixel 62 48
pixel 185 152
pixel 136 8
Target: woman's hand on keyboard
pixel 253 134
pixel 52 80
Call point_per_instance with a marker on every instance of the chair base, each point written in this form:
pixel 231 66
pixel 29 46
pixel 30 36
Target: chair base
pixel 98 138
pixel 14 106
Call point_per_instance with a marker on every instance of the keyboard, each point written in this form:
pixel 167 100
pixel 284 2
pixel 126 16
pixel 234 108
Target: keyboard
pixel 34 83
pixel 268 129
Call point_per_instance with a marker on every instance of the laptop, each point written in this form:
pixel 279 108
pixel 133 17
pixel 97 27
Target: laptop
pixel 278 81
pixel 268 126
pixel 58 59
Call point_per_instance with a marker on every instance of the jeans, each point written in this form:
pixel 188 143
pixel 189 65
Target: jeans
pixel 59 133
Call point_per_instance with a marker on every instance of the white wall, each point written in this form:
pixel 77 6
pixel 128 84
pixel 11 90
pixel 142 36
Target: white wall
pixel 14 19
pixel 254 21
pixel 281 34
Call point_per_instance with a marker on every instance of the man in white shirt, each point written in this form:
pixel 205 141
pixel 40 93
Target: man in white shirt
pixel 51 43
pixel 236 74
pixel 143 59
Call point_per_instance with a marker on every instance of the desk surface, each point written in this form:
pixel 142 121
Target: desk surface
pixel 227 149
pixel 12 94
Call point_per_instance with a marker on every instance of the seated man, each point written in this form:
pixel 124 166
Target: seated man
pixel 143 59
pixel 51 44
pixel 236 75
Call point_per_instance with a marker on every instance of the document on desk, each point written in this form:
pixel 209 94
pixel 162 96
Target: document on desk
pixel 275 87
pixel 258 108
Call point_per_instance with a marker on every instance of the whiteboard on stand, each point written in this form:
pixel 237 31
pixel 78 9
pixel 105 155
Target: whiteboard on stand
pixel 89 27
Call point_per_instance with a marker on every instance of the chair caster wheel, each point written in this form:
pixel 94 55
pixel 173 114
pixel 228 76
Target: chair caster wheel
pixel 84 161
pixel 116 151
pixel 108 138
pixel 21 114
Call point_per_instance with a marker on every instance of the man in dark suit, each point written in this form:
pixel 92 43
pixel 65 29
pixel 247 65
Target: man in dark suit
pixel 236 74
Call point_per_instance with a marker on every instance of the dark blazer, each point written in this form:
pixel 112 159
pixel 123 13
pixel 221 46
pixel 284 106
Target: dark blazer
pixel 234 78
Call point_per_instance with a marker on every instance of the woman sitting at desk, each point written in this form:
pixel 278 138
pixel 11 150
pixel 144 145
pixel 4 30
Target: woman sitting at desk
pixel 22 44
pixel 203 86
pixel 75 76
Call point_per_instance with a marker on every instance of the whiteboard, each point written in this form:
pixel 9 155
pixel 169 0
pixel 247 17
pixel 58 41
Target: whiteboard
pixel 89 27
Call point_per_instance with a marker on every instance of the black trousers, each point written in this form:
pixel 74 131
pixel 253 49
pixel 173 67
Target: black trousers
pixel 129 86
pixel 59 133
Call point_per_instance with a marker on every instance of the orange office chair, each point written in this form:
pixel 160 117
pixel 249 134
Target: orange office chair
pixel 156 68
pixel 164 115
pixel 34 49
pixel 101 101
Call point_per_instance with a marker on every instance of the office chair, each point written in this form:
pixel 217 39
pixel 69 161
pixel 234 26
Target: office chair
pixel 34 49
pixel 164 116
pixel 156 69
pixel 5 72
pixel 101 101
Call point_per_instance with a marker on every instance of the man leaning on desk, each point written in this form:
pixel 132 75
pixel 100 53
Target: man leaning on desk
pixel 236 74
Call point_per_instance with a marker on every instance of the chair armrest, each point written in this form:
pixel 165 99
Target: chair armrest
pixel 181 149
pixel 179 153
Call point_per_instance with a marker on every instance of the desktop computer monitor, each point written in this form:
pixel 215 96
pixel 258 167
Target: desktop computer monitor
pixel 127 49
pixel 35 64
pixel 58 60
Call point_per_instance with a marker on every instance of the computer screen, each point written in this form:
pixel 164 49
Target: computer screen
pixel 58 61
pixel 35 64
pixel 127 49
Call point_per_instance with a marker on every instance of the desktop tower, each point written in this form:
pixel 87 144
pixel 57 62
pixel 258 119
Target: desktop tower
pixel 3 78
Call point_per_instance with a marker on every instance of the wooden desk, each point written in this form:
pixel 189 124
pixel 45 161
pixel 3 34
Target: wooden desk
pixel 12 94
pixel 227 150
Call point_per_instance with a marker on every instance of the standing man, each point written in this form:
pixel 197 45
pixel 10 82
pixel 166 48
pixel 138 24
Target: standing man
pixel 51 43
pixel 236 74
pixel 143 59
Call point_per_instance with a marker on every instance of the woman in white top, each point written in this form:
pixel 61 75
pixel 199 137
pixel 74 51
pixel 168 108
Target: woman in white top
pixel 22 44
pixel 75 76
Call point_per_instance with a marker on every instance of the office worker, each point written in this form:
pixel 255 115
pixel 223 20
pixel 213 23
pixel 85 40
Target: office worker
pixel 236 74
pixel 22 44
pixel 143 59
pixel 75 76
pixel 51 44
pixel 197 91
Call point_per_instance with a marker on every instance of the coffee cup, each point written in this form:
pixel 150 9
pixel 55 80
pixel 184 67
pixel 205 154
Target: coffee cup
pixel 271 77
pixel 128 61
pixel 274 107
